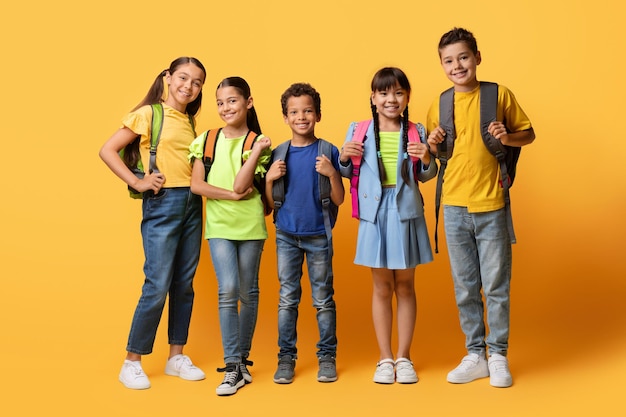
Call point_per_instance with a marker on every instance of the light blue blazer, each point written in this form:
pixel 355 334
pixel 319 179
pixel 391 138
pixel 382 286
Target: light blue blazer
pixel 408 197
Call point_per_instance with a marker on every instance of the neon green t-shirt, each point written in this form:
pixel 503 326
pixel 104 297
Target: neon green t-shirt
pixel 228 219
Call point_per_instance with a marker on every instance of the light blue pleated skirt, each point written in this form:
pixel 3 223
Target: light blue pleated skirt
pixel 391 243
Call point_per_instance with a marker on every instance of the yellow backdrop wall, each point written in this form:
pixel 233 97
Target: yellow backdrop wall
pixel 71 252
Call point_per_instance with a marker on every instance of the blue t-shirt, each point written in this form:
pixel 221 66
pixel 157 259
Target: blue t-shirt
pixel 301 214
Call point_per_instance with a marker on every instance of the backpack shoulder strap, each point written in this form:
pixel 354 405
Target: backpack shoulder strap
pixel 155 134
pixel 488 109
pixel 504 154
pixel 249 140
pixel 210 143
pixel 278 186
pixel 359 135
pixel 444 149
pixel 324 148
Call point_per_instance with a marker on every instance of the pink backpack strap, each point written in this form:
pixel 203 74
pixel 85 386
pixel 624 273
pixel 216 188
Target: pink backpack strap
pixel 413 137
pixel 358 136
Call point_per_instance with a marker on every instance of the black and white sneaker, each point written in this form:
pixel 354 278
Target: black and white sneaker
pixel 233 380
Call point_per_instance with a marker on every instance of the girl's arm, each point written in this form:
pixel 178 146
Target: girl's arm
pixel 201 187
pixel 245 176
pixel 109 153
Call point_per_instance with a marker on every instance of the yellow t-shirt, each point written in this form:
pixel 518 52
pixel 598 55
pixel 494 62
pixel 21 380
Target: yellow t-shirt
pixel 176 136
pixel 472 176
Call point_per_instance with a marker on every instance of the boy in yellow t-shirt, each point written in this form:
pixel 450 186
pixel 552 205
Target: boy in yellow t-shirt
pixel 478 241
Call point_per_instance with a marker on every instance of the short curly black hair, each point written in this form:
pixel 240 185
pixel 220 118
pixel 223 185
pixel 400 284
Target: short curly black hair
pixel 301 89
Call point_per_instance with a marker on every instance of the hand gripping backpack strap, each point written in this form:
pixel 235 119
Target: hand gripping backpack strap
pixel 359 135
pixel 444 150
pixel 278 186
pixel 488 108
pixel 325 148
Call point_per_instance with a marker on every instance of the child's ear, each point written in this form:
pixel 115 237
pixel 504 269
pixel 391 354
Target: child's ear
pixel 285 119
pixel 478 58
pixel 250 102
pixel 319 117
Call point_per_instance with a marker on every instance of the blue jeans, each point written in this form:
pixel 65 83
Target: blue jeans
pixel 236 264
pixel 171 229
pixel 291 251
pixel 480 258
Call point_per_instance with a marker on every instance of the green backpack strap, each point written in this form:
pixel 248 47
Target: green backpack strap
pixel 155 135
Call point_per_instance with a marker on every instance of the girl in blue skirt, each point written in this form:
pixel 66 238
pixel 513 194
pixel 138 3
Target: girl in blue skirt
pixel 392 238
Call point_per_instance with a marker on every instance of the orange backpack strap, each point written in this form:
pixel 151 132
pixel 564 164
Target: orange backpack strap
pixel 209 149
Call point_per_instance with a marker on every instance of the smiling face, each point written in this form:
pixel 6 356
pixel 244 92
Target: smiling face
pixel 390 103
pixel 459 63
pixel 232 106
pixel 301 116
pixel 184 85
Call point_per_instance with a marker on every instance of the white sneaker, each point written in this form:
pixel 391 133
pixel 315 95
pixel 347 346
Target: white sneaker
pixel 499 373
pixel 472 366
pixel 385 373
pixel 405 374
pixel 133 376
pixel 180 365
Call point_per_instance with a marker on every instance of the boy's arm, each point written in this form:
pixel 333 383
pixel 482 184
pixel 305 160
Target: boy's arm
pixel 521 138
pixel 324 167
pixel 277 170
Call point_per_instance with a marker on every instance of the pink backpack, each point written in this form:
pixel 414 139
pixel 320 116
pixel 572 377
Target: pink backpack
pixel 359 136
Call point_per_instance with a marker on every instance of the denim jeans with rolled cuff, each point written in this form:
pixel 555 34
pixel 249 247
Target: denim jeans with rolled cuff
pixel 171 229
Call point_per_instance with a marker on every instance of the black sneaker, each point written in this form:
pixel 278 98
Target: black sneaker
pixel 233 380
pixel 286 370
pixel 244 369
pixel 327 369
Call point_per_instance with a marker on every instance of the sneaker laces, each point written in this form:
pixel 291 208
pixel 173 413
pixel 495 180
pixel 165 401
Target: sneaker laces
pixel 231 374
pixel 136 369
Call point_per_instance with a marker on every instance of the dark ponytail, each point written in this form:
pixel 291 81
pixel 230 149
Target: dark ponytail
pixel 379 157
pixel 405 143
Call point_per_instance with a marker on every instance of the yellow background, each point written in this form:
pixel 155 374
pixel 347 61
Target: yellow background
pixel 71 251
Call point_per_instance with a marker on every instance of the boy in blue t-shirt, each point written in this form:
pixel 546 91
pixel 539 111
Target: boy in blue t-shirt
pixel 303 228
pixel 475 218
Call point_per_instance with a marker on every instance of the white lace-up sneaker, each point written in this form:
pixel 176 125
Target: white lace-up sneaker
pixel 133 376
pixel 385 374
pixel 499 374
pixel 180 365
pixel 472 366
pixel 405 374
